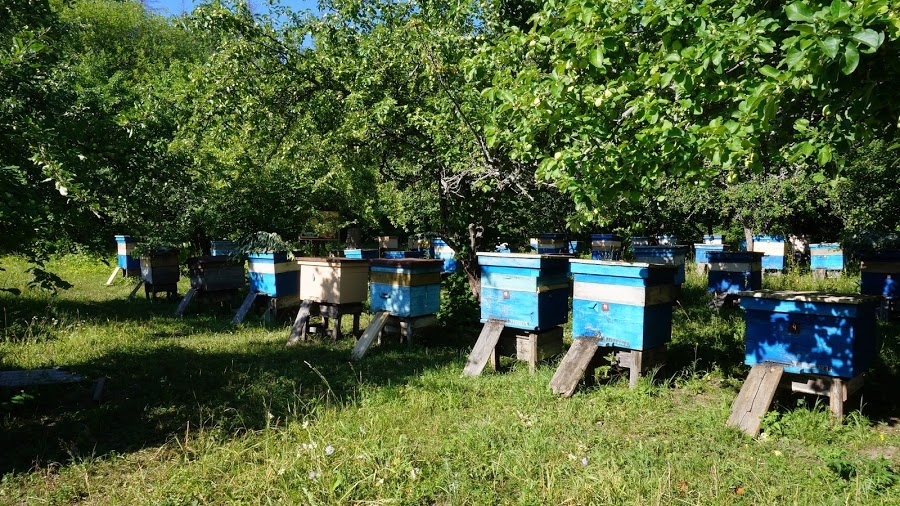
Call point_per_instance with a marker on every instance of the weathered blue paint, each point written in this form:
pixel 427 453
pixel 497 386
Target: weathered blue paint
pixel 640 240
pixel 714 239
pixel 701 251
pixel 124 258
pixel 633 325
pixel 606 247
pixel 220 248
pixel 361 253
pixel 405 301
pixel 273 274
pixel 622 325
pixel 818 336
pixel 666 255
pixel 774 246
pixel 879 273
pixel 734 271
pixel 828 256
pixel 401 299
pixel 444 252
pixel 525 291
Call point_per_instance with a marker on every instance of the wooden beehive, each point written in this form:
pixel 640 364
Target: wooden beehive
pixel 160 268
pixel 702 251
pixel 273 274
pixel 879 273
pixel 220 248
pixel 443 251
pixel 407 287
pixel 549 244
pixel 774 248
pixel 713 239
pixel 734 271
pixel 810 332
pixel 215 273
pixel 529 292
pixel 333 280
pixel 361 253
pixel 606 247
pixel 665 255
pixel 624 305
pixel 828 256
pixel 124 248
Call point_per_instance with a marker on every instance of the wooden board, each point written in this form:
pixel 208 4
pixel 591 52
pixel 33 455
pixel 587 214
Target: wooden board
pixel 573 365
pixel 755 397
pixel 298 330
pixel 484 347
pixel 136 288
pixel 17 379
pixel 185 301
pixel 245 306
pixel 372 331
pixel 113 275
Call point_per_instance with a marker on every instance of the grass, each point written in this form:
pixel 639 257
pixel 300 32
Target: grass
pixel 196 410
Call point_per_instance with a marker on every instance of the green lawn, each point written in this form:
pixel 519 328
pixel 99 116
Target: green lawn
pixel 196 410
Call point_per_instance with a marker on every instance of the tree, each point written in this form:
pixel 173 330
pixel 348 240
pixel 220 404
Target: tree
pixel 612 97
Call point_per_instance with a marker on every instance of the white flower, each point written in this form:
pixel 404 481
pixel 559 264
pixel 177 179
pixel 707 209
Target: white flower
pixel 584 461
pixel 329 450
pixel 313 475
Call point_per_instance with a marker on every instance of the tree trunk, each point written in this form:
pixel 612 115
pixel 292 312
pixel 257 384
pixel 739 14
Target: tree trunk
pixel 748 236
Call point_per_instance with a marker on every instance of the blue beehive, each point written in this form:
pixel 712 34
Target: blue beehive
pixel 775 249
pixel 666 255
pixel 713 239
pixel 667 239
pixel 220 248
pixel 394 254
pixel 702 251
pixel 879 272
pixel 273 274
pixel 626 305
pixel 529 292
pixel 734 271
pixel 405 287
pixel 810 332
pixel 124 248
pixel 444 252
pixel 828 256
pixel 606 247
pixel 361 253
pixel 549 244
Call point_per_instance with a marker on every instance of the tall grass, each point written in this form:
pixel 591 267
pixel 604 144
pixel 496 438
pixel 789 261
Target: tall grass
pixel 196 410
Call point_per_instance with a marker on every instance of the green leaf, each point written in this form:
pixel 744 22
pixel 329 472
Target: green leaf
pixel 851 59
pixel 769 71
pixel 596 57
pixel 839 10
pixel 818 177
pixel 831 46
pixel 798 11
pixel 824 155
pixel 869 37
pixel 766 46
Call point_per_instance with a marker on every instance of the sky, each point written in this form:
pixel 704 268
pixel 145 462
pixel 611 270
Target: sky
pixel 177 7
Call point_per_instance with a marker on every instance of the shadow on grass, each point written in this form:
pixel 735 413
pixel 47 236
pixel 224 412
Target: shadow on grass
pixel 151 396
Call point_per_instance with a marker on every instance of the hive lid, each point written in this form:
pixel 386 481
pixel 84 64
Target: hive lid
pixel 329 260
pixel 821 297
pixel 406 262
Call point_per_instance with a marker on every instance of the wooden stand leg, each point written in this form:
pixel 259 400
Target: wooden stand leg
pixel 532 352
pixel 409 331
pixel 113 275
pixel 356 325
pixel 634 374
pixel 336 331
pixel 836 398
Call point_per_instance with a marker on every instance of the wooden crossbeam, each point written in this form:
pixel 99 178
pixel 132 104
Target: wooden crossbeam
pixel 374 328
pixel 136 288
pixel 755 398
pixel 113 275
pixel 573 365
pixel 185 301
pixel 298 330
pixel 245 306
pixel 484 347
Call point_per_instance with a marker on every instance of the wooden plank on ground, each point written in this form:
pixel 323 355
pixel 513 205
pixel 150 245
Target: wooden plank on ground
pixel 16 379
pixel 245 306
pixel 136 288
pixel 113 275
pixel 755 397
pixel 298 330
pixel 185 301
pixel 573 365
pixel 374 328
pixel 484 347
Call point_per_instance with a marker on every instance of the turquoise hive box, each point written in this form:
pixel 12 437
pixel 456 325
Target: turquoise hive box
pixel 529 292
pixel 405 287
pixel 625 305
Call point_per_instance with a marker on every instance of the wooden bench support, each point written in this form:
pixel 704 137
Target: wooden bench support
pixel 185 301
pixel 113 275
pixel 639 361
pixel 530 346
pixel 329 313
pixel 151 289
pixel 406 326
pixel 375 326
pixel 574 364
pixel 136 288
pixel 755 397
pixel 484 347
pixel 838 390
pixel 245 306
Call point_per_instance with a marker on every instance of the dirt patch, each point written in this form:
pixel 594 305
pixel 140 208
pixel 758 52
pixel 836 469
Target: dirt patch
pixel 878 452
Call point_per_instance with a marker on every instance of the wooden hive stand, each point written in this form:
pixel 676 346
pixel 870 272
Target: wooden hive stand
pixel 496 340
pixel 758 391
pixel 328 312
pixel 585 357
